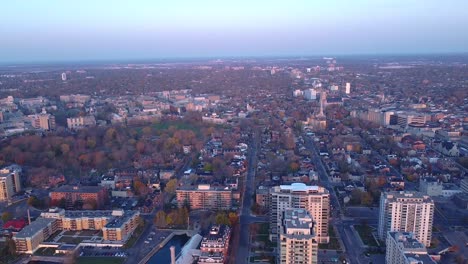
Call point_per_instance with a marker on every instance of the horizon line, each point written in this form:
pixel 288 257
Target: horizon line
pixel 225 57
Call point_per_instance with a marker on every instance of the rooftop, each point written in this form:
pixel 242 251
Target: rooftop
pixel 301 187
pixel 79 189
pixel 297 219
pixel 406 196
pixel 34 227
pixel 407 241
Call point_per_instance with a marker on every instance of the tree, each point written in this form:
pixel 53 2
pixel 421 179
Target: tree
pixel 366 199
pixel 90 204
pixel 6 216
pixel 34 202
pixel 11 246
pixel 171 186
pixel 222 218
pixel 233 219
pixel 160 219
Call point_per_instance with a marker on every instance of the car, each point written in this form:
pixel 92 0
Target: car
pixel 146 242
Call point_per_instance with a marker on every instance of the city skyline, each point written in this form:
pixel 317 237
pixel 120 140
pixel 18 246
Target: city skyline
pixel 56 31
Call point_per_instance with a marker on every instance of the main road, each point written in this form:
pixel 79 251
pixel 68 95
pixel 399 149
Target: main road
pixel 245 214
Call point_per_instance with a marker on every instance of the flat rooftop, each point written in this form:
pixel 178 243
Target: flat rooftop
pixel 79 189
pixel 36 226
pixel 297 219
pixel 301 187
pixel 408 196
pixel 407 241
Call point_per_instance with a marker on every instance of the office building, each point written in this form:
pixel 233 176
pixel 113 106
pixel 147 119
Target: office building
pixel 314 199
pixel 72 194
pixel 348 88
pixel 297 242
pixel 204 196
pixel 10 182
pixel 406 212
pixel 404 248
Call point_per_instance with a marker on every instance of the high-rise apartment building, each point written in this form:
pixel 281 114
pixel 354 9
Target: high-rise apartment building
pixel 297 242
pixel 403 248
pixel 406 212
pixel 314 199
pixel 10 182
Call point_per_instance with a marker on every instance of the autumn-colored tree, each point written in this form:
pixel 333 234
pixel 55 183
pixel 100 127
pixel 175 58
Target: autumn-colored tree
pixel 294 166
pixel 222 218
pixel 233 219
pixel 160 219
pixel 6 216
pixel 89 204
pixel 171 186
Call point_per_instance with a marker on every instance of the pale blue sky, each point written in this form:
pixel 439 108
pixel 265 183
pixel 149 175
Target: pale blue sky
pixel 60 30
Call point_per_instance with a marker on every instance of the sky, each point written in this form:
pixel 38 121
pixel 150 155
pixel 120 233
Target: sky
pixel 58 30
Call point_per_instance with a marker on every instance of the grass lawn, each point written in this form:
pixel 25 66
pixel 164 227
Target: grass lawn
pixel 72 240
pixel 100 260
pixel 178 125
pixel 365 232
pixel 69 233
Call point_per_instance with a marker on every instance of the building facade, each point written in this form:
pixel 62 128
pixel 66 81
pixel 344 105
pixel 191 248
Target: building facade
pixel 72 194
pixel 82 121
pixel 314 199
pixel 10 182
pixel 215 244
pixel 406 212
pixel 204 197
pixel 297 241
pixel 28 239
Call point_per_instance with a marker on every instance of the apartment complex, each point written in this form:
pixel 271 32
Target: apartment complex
pixel 214 246
pixel 406 212
pixel 10 182
pixel 314 199
pixel 116 225
pixel 205 196
pixel 297 242
pixel 71 194
pixel 403 248
pixel 30 237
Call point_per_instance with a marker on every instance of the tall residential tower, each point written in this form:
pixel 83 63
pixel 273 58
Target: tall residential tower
pixel 314 199
pixel 406 212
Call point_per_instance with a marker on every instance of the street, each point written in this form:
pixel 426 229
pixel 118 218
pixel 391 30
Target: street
pixel 245 214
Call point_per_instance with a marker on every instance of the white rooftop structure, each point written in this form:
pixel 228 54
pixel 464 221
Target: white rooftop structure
pixel 299 187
